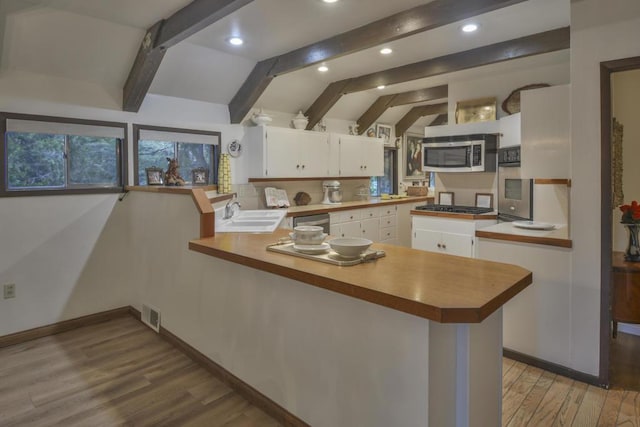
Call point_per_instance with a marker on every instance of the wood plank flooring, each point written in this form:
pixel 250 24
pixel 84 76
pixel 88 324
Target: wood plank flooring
pixel 121 373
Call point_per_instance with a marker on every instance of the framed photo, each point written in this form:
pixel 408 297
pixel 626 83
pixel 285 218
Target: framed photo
pixel 484 200
pixel 384 132
pixel 476 110
pixel 371 132
pixel 413 157
pixel 446 198
pixel 200 176
pixel 154 176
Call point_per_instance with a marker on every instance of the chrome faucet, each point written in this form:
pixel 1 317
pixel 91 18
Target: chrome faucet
pixel 229 207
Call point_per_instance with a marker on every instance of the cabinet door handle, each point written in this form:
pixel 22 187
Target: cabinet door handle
pixel 444 246
pixel 365 166
pixel 439 245
pixel 302 166
pixel 297 166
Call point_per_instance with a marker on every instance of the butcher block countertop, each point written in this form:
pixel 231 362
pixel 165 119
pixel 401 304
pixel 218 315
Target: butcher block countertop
pixel 453 215
pixel 363 204
pixel 559 236
pixel 442 288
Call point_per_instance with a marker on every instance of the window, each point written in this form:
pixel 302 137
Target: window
pixel 193 148
pixel 388 183
pixel 56 155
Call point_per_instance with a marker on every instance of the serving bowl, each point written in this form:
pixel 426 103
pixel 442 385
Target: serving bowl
pixel 350 247
pixel 308 235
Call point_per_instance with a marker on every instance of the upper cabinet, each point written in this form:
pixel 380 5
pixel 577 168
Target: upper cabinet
pixel 289 153
pixel 278 152
pixel 510 130
pixel 546 139
pixel 360 155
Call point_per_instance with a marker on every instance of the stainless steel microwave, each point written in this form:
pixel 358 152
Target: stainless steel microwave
pixel 460 153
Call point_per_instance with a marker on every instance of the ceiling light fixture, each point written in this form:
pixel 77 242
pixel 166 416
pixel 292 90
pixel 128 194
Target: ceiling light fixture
pixel 236 41
pixel 329 1
pixel 381 87
pixel 386 51
pixel 469 28
pixel 323 68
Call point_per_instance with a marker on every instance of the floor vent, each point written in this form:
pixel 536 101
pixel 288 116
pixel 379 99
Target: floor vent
pixel 151 317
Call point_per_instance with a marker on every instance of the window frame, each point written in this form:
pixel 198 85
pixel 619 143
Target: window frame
pixel 121 157
pixel 393 152
pixel 136 138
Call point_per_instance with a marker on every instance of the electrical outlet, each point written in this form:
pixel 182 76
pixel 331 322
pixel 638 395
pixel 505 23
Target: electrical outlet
pixel 9 290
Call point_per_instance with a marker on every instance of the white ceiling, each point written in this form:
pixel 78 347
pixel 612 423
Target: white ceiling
pixel 97 40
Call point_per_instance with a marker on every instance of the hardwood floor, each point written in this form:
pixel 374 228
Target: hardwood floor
pixel 625 362
pixel 121 373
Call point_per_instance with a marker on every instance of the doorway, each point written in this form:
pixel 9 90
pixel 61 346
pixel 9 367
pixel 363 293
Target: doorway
pixel 618 367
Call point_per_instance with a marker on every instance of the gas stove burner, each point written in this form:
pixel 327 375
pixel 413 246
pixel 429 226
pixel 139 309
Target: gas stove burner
pixel 455 209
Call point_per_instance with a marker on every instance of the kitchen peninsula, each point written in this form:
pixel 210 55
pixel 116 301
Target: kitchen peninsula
pixel 412 339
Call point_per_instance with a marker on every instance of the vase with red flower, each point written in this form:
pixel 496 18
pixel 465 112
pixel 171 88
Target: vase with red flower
pixel 631 221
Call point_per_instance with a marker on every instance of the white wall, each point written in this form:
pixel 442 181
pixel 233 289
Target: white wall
pixel 600 31
pixel 626 92
pixel 54 247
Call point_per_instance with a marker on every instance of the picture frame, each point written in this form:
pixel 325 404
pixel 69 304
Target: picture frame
pixel 155 176
pixel 484 200
pixel 446 198
pixel 412 158
pixel 476 110
pixel 384 132
pixel 200 176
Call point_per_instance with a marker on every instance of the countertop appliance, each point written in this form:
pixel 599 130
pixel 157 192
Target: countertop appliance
pixel 460 153
pixel 515 194
pixel 474 210
pixel 332 192
pixel 321 220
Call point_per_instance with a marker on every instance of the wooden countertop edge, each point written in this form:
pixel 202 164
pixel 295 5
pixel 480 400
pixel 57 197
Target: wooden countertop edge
pixel 454 215
pixel 359 205
pixel 621 266
pixel 549 241
pixel 185 189
pixel 420 309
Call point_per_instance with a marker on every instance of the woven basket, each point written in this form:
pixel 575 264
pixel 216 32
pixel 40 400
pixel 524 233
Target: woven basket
pixel 416 190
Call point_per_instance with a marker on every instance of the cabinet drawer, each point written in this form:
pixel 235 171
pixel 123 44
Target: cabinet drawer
pixel 369 213
pixel 345 216
pixel 388 221
pixel 388 210
pixel 388 233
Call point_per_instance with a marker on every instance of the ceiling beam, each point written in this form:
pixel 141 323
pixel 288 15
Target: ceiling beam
pixel 387 101
pixel 536 44
pixel 166 33
pixel 441 119
pixel 416 112
pixel 403 24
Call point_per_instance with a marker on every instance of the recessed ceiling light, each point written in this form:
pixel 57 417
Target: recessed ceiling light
pixel 470 28
pixel 329 1
pixel 386 51
pixel 236 41
pixel 323 68
pixel 381 87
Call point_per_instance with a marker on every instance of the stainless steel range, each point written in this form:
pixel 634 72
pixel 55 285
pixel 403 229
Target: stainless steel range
pixel 474 210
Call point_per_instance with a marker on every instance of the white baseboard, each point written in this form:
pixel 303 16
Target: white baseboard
pixel 629 328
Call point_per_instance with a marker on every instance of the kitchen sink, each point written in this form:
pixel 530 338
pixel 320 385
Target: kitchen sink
pixel 249 221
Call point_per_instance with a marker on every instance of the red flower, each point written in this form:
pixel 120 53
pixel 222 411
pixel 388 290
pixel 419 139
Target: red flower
pixel 630 213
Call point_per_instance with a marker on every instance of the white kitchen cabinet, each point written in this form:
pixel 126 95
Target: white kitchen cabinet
pixel 289 153
pixel 370 229
pixel 446 235
pixel 546 139
pixel 360 156
pixel 510 127
pixel 378 224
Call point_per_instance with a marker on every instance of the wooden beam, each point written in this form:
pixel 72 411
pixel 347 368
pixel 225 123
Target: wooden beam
pixel 549 41
pixel 166 33
pixel 416 112
pixel 245 98
pixel 421 18
pixel 376 109
pixel 327 99
pixel 441 119
pixel 387 101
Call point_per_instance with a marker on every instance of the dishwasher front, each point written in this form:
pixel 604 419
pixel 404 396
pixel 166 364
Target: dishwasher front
pixel 321 220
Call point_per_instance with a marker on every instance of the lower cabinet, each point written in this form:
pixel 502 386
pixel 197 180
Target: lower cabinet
pixel 377 224
pixel 446 235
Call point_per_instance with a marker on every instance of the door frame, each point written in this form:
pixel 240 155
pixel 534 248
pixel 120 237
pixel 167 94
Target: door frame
pixel 606 206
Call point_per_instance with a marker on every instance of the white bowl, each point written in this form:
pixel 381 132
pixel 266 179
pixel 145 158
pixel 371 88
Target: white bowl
pixel 307 239
pixel 350 247
pixel 261 119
